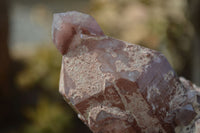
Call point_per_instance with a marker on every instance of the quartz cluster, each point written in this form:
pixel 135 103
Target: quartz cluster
pixel 118 87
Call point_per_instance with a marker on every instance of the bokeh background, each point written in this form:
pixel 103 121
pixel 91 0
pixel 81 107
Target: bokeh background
pixel 30 64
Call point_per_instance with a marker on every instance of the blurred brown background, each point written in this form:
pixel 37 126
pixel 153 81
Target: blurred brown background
pixel 30 64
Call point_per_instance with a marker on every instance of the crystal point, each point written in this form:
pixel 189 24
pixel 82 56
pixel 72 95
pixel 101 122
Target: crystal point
pixel 66 26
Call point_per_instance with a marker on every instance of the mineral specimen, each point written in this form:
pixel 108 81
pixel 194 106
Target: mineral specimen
pixel 118 87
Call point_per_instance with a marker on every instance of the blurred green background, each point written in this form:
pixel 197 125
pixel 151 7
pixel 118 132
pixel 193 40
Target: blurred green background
pixel 30 64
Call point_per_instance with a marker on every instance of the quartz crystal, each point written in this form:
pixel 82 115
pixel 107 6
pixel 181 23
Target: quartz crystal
pixel 119 87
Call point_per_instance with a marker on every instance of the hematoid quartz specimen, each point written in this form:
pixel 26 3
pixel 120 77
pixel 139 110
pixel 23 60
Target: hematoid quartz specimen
pixel 118 87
